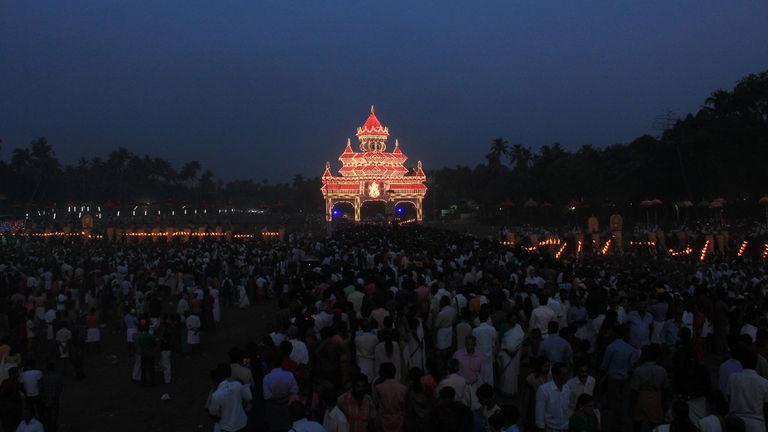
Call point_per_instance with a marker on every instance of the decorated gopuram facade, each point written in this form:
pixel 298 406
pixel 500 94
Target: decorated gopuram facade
pixel 373 174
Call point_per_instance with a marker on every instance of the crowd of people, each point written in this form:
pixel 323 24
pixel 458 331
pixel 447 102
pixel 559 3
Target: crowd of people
pixel 379 328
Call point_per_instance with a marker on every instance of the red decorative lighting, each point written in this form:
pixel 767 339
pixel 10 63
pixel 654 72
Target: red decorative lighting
pixel 372 173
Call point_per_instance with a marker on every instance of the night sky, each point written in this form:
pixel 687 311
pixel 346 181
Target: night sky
pixel 257 89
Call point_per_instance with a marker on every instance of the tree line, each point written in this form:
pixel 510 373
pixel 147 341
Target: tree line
pixel 720 150
pixel 35 177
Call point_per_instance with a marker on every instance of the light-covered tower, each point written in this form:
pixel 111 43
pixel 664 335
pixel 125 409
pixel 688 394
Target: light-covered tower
pixel 372 135
pixel 373 174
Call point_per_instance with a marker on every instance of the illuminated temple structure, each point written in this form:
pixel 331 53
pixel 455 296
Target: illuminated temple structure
pixel 373 174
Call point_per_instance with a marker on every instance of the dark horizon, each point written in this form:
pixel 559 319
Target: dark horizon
pixel 273 90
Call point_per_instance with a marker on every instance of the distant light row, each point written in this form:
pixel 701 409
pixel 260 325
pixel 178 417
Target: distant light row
pixel 86 209
pixel 153 234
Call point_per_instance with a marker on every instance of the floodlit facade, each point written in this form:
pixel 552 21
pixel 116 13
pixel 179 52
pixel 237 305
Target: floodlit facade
pixel 373 174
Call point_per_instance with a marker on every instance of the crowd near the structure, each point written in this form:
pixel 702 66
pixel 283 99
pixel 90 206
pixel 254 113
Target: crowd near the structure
pixel 395 329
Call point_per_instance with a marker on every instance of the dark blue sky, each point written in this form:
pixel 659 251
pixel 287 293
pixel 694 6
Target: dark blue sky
pixel 257 89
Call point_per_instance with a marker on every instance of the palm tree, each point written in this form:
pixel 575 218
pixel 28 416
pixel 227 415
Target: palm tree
pixel 189 172
pixel 499 149
pixel 721 103
pixel 520 157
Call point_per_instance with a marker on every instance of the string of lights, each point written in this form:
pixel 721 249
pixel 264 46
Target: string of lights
pixel 687 251
pixel 606 247
pixel 561 250
pixel 704 250
pixel 742 248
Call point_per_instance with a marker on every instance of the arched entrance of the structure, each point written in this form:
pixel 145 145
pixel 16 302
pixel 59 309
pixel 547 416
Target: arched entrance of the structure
pixel 373 210
pixel 405 210
pixel 343 210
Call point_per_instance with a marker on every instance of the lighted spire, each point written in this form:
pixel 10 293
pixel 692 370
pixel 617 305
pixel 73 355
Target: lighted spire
pixel 327 172
pixel 397 150
pixel 348 152
pixel 372 135
pixel 419 171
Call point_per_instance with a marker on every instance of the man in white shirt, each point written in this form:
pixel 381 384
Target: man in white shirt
pixel 334 419
pixel 444 325
pixel 509 356
pixel 487 337
pixel 455 381
pixel 531 278
pixel 552 400
pixel 378 315
pixel 580 384
pixel 30 378
pixel 541 316
pixel 299 354
pixel 356 297
pixel 193 330
pixel 748 393
pixel 559 311
pixel 365 349
pixel 229 401
pixel 323 319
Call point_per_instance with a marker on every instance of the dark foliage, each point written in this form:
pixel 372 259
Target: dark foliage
pixel 721 150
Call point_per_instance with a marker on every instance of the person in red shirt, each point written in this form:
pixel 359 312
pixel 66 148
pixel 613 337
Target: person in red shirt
pixel 358 406
pixel 390 399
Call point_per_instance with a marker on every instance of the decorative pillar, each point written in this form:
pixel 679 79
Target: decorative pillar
pixel 419 211
pixel 328 209
pixel 358 204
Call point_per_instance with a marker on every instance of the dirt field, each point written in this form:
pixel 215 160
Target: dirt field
pixel 109 401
